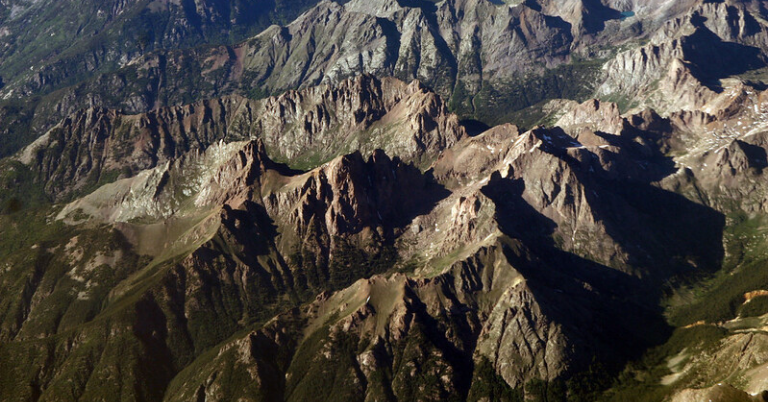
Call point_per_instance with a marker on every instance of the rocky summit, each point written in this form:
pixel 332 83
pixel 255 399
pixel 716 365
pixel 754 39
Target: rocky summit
pixel 384 200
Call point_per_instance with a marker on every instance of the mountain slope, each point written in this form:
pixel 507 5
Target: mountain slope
pixel 543 242
pixel 305 128
pixel 174 233
pixel 491 62
pixel 49 44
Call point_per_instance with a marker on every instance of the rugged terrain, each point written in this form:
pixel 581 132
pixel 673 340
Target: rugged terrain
pixel 491 62
pixel 51 44
pixel 320 212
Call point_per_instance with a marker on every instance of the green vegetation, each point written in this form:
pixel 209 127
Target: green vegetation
pixel 718 298
pixel 697 308
pixel 417 370
pixel 486 383
pixel 103 321
pixel 331 377
pixel 586 386
pixel 515 100
pixel 74 51
pixel 18 190
pixel 755 308
pixel 84 44
pixel 534 115
pixel 75 268
pixel 623 101
pixel 348 263
pixel 17 117
pixel 543 391
pixel 641 381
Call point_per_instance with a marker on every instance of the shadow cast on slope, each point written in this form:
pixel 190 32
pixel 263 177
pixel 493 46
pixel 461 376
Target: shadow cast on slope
pixel 714 58
pixel 613 310
pixel 349 231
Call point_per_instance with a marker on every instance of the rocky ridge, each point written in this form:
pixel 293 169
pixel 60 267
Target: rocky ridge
pixel 50 45
pixel 489 61
pixel 306 128
pixel 395 254
pixel 516 223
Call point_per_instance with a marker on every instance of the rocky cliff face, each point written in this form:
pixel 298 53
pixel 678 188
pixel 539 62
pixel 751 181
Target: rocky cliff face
pixel 49 45
pixel 685 52
pixel 489 61
pixel 306 128
pixel 430 44
pixel 351 241
pixel 490 251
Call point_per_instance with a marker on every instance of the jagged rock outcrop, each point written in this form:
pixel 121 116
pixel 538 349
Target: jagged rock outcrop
pixel 49 45
pixel 668 73
pixel 103 144
pixel 475 42
pixel 408 42
pixel 594 115
pixel 488 60
pixel 361 114
pixel 353 234
pixel 414 331
pixel 493 230
pixel 305 127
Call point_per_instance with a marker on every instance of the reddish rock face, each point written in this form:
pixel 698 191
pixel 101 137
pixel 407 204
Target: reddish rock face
pixel 307 127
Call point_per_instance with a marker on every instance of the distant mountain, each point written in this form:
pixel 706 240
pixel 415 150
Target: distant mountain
pixel 47 45
pixel 494 63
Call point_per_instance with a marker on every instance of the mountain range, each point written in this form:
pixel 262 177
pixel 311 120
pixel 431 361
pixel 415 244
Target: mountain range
pixel 540 200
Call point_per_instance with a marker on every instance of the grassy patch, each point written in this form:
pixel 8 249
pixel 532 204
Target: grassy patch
pixel 755 308
pixel 744 270
pixel 18 190
pixel 641 381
